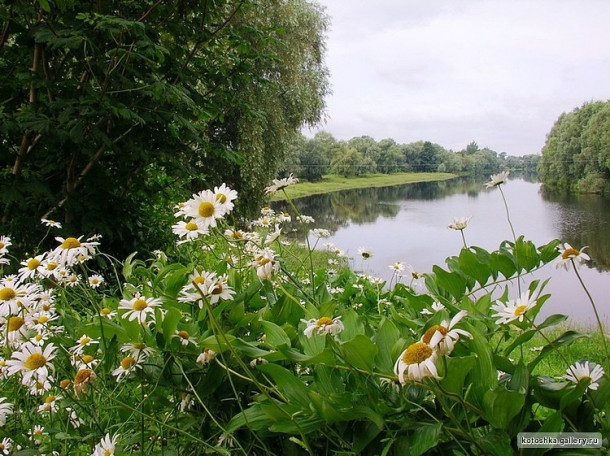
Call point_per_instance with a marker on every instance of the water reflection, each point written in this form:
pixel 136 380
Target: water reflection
pixel 582 220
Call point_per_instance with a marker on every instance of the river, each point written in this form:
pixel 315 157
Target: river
pixel 408 223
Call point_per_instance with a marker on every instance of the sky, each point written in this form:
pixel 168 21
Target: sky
pixel 498 72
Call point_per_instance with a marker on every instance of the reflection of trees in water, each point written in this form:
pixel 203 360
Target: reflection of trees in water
pixel 584 221
pixel 365 205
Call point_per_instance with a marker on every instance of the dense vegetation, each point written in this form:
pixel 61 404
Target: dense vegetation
pixel 112 109
pixel 576 155
pixel 311 158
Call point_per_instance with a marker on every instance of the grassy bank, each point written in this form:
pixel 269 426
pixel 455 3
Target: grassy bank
pixel 334 183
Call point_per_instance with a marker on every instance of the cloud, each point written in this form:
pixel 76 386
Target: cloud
pixel 496 72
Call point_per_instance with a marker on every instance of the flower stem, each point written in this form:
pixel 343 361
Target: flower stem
pixel 599 322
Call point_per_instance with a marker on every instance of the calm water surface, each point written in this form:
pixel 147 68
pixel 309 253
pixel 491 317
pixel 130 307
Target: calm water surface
pixel 409 224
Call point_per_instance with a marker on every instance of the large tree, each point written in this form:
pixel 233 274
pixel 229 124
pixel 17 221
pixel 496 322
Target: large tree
pixel 111 108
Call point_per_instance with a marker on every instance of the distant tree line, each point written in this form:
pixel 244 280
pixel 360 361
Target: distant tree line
pixel 310 159
pixel 576 155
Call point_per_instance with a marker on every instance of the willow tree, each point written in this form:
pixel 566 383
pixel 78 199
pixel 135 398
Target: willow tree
pixel 110 109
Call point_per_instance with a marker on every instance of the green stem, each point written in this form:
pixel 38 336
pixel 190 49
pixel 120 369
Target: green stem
pixel 599 322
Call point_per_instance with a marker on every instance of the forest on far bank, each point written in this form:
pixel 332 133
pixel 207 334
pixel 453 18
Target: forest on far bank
pixel 576 156
pixel 310 159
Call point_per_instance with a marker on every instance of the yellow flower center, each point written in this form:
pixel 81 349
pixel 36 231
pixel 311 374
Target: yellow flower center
pixel 139 346
pixel 263 261
pixel 417 353
pixel 105 311
pixel 324 321
pixel 569 253
pixel 33 263
pixel 82 376
pixel 107 453
pixel 84 341
pixel 286 214
pixel 87 359
pixel 51 265
pixel 70 243
pixel 14 323
pixel 49 399
pixel 43 319
pixel 2 245
pixel 191 226
pixel 206 209
pixel 520 310
pixel 184 334
pixel 65 382
pixel 221 198
pixel 430 332
pixel 35 361
pixel 7 294
pixel 218 288
pixel 38 337
pixel 199 280
pixel 139 304
pixel 128 362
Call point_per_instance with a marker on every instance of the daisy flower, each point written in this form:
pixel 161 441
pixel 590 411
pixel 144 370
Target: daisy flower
pixel 6 409
pixel 106 447
pixel 32 362
pixel 206 356
pixel 225 196
pixel 444 336
pixel 497 179
pixel 5 446
pixel 84 341
pixel 95 280
pixel 190 230
pixel 139 308
pixel 219 289
pixel 138 350
pixel 49 404
pixel 83 378
pixel 568 255
pixel 184 337
pixel 203 209
pixel 460 223
pixel 365 252
pixel 108 313
pixel 5 243
pixel 513 309
pixel 397 267
pixel 418 361
pixel 37 434
pixel 15 296
pixel 128 365
pixel 280 184
pixel 324 325
pixel 590 372
pixel 71 249
pixel 51 223
pixel 265 263
pixel 31 267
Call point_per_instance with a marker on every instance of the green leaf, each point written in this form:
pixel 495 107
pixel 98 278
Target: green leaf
pixel 457 370
pixel 128 266
pixel 526 255
pixel 425 437
pixel 450 281
pixel 500 261
pixel 496 443
pixel 170 324
pixel 386 337
pixel 501 406
pixel 565 339
pixel 44 4
pixel 484 374
pixel 527 335
pixel 276 336
pixel 364 433
pixel 475 265
pixel 293 389
pixel 360 352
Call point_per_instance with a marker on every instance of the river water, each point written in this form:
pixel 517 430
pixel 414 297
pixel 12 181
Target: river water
pixel 408 223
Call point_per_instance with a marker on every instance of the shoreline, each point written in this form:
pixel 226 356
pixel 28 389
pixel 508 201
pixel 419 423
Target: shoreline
pixel 334 183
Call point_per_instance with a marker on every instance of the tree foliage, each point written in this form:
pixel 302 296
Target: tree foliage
pixel 576 155
pixel 110 109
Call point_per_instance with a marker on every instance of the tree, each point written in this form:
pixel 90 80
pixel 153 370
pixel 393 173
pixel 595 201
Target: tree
pixel 112 108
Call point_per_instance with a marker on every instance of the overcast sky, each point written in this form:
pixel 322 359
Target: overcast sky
pixel 498 72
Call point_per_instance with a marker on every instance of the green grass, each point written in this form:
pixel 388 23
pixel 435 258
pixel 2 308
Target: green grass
pixel 334 183
pixel 554 364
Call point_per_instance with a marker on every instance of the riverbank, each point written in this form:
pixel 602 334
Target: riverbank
pixel 335 183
